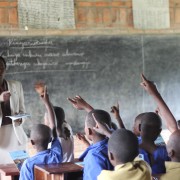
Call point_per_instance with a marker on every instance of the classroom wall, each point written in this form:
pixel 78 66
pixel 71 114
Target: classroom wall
pixel 91 16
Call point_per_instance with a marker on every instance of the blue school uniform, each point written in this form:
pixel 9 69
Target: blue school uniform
pixel 49 156
pixel 160 155
pixel 95 160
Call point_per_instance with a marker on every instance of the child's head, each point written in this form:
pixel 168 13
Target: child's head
pixel 178 123
pixel 137 122
pixel 40 136
pixel 101 116
pixel 150 126
pixel 173 146
pixel 122 147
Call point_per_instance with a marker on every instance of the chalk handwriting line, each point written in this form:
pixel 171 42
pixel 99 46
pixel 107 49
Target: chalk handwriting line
pixel 44 71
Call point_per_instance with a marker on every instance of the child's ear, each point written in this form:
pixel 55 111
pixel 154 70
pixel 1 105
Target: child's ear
pixel 139 127
pixel 111 157
pixel 90 131
pixel 32 142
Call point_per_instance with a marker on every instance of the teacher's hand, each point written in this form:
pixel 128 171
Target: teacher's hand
pixel 5 96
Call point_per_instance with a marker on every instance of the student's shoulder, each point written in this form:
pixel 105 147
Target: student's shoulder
pixel 107 175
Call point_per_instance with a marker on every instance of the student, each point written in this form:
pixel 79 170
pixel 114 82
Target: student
pixel 40 137
pixel 123 149
pixel 65 135
pixel 96 155
pixel 165 113
pixel 173 167
pixel 153 154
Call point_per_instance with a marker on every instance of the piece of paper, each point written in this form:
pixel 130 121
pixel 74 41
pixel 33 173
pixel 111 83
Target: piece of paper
pixel 151 14
pixel 46 14
pixel 18 116
pixel 19 157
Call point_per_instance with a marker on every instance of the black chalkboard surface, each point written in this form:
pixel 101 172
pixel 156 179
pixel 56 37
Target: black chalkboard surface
pixel 102 69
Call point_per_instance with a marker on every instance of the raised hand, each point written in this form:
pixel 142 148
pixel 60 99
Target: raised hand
pixel 163 108
pixel 5 96
pixel 101 128
pixel 82 138
pixel 149 86
pixel 79 103
pixel 115 110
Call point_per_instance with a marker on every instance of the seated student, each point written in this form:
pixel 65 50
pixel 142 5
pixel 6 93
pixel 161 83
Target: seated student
pixel 173 167
pixel 96 155
pixel 165 113
pixel 153 154
pixel 123 149
pixel 40 137
pixel 65 134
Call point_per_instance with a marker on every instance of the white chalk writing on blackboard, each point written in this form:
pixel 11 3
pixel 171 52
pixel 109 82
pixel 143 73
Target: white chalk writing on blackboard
pixel 67 53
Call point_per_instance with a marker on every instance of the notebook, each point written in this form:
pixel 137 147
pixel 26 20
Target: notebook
pixel 19 157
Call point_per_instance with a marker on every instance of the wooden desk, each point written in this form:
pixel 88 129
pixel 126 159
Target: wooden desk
pixel 55 171
pixel 9 172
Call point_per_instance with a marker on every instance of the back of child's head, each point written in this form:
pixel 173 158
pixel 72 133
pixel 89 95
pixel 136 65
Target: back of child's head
pixel 150 126
pixel 173 146
pixel 123 145
pixel 40 135
pixel 101 116
pixel 178 123
pixel 60 115
pixel 137 122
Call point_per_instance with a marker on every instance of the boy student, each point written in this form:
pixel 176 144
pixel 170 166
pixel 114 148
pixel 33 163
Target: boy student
pixel 40 137
pixel 151 153
pixel 96 155
pixel 155 153
pixel 122 150
pixel 65 134
pixel 173 167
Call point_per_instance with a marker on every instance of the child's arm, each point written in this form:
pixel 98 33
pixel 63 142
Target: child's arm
pixel 163 108
pixel 115 111
pixel 79 103
pixel 50 111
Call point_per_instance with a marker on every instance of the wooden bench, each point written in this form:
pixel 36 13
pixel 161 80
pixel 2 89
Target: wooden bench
pixel 9 172
pixel 55 171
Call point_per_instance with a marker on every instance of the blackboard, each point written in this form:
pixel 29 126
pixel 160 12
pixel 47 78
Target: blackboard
pixel 102 69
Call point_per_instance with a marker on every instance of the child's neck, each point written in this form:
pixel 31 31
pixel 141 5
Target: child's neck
pixel 39 149
pixel 148 145
pixel 97 139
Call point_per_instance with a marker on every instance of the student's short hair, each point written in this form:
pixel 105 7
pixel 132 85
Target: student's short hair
pixel 151 125
pixel 151 119
pixel 41 134
pixel 139 117
pixel 3 60
pixel 60 115
pixel 123 144
pixel 101 116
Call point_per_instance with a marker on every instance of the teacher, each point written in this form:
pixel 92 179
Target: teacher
pixel 12 135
